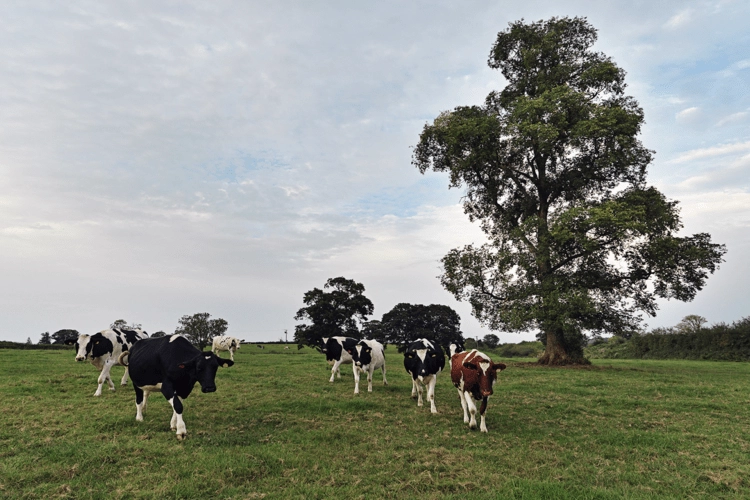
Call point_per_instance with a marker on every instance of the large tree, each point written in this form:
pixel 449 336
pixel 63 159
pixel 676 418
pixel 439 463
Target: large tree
pixel 339 309
pixel 555 175
pixel 199 329
pixel 65 335
pixel 406 323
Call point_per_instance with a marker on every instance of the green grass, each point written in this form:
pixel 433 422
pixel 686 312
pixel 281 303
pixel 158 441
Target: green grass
pixel 276 428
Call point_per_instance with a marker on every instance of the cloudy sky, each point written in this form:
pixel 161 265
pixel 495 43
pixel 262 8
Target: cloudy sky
pixel 164 158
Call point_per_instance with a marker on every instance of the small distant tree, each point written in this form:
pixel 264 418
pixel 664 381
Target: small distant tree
pixel 121 323
pixel 491 340
pixel 338 309
pixel 199 329
pixel 691 323
pixel 60 336
pixel 406 323
pixel 160 333
pixel 28 340
pixel 45 338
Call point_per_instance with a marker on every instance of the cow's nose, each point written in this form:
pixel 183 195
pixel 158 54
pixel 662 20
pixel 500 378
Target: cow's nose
pixel 79 358
pixel 486 393
pixel 209 389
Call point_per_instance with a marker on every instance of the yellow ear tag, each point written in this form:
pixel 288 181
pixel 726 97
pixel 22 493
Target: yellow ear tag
pixel 225 365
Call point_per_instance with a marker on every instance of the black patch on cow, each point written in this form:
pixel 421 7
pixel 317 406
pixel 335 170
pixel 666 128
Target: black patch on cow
pixel 333 349
pixel 434 360
pixel 131 336
pixel 99 345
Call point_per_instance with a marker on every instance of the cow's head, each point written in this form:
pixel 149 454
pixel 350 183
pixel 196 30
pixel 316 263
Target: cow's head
pixel 426 359
pixel 486 373
pixel 202 369
pixel 455 346
pixel 361 355
pixel 324 345
pixel 91 346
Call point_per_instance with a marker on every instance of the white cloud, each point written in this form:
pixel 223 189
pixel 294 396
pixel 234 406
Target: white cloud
pixel 713 151
pixel 680 19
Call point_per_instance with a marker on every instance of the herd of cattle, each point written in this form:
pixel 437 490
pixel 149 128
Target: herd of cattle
pixel 172 366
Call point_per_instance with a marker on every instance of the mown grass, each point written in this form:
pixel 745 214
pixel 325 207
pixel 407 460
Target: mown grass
pixel 276 428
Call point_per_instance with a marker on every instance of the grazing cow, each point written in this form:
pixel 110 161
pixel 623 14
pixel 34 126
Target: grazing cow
pixel 338 352
pixel 225 343
pixel 103 350
pixel 473 373
pixel 260 346
pixel 424 359
pixel 170 365
pixel 367 356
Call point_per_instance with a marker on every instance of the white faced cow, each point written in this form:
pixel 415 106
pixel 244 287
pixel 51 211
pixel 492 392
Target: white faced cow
pixel 103 350
pixel 225 343
pixel 424 359
pixel 170 365
pixel 367 356
pixel 474 374
pixel 338 352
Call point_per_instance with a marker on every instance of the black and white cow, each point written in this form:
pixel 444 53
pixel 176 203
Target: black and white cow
pixel 367 356
pixel 225 343
pixel 172 366
pixel 424 359
pixel 103 350
pixel 338 352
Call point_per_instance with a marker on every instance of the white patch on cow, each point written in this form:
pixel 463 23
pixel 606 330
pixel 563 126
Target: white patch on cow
pixel 174 337
pixel 427 343
pixel 485 366
pixel 422 353
pixel 177 423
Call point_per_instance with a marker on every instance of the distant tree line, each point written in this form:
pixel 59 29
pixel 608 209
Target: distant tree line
pixel 689 339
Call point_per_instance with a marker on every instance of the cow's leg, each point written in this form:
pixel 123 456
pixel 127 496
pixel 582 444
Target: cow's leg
pixel 231 354
pixel 463 405
pixel 140 402
pixel 472 410
pixel 124 380
pixel 385 382
pixel 431 393
pixel 335 369
pixel 355 370
pixel 369 378
pixel 104 377
pixel 414 389
pixel 177 423
pixel 482 409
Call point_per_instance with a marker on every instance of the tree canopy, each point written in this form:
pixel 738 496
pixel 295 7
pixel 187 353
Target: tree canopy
pixel 339 309
pixel 61 336
pixel 406 323
pixel 555 175
pixel 200 330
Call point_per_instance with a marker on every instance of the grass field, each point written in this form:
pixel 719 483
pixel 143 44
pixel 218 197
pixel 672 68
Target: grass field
pixel 276 428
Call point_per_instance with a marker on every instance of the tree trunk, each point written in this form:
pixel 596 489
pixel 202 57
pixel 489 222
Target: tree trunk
pixel 557 352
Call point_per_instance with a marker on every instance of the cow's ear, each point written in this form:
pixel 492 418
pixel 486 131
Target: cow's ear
pixel 226 363
pixel 470 365
pixel 499 366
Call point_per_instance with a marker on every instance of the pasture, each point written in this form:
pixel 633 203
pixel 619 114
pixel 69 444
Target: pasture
pixel 276 428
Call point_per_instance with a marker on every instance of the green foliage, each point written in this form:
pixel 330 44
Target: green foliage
pixel 619 429
pixel 555 175
pixel 61 336
pixel 491 340
pixel 199 329
pixel 337 312
pixel 406 323
pixel 524 349
pixel 45 338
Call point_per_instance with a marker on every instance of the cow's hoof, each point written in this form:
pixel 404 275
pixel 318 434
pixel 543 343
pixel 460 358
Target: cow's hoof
pixel 433 411
pixel 181 437
pixel 97 394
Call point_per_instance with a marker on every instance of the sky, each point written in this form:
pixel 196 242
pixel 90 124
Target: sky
pixel 160 159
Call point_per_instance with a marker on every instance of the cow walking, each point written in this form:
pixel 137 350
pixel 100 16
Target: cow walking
pixel 172 366
pixel 367 356
pixel 103 349
pixel 225 343
pixel 338 352
pixel 424 359
pixel 474 374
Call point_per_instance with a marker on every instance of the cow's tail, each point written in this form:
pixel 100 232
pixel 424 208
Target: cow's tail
pixel 123 358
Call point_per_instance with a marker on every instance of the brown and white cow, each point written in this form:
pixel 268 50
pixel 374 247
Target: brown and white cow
pixel 473 373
